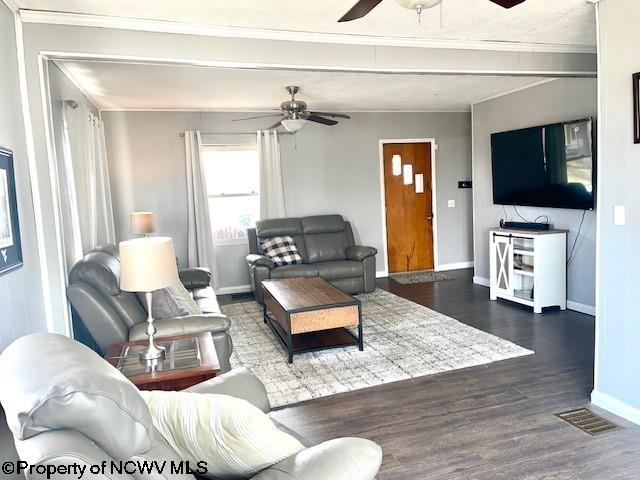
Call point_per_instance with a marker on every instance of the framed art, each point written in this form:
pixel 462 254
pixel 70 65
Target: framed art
pixel 10 244
pixel 636 107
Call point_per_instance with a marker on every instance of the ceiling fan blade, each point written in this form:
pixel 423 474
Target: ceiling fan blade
pixel 322 120
pixel 277 124
pixel 259 116
pixel 359 10
pixel 330 114
pixel 507 3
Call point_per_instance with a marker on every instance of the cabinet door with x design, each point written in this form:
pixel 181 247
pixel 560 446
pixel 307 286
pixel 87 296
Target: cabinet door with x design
pixel 501 265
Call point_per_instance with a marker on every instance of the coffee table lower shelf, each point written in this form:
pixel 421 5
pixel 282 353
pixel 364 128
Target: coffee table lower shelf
pixel 313 341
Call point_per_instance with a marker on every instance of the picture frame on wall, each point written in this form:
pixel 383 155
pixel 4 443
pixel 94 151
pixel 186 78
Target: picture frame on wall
pixel 10 242
pixel 636 107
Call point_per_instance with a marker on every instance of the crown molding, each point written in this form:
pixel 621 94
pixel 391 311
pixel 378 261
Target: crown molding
pixel 162 26
pixel 11 5
pixel 262 110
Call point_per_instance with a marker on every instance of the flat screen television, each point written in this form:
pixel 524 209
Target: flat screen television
pixel 546 166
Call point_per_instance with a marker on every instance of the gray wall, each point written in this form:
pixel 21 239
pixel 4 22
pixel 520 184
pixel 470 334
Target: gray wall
pixel 617 378
pixel 21 300
pixel 565 99
pixel 326 170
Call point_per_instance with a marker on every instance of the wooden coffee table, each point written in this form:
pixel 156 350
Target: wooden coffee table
pixel 308 314
pixel 190 359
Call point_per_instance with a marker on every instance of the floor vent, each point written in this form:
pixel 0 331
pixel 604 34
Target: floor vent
pixel 241 297
pixel 587 421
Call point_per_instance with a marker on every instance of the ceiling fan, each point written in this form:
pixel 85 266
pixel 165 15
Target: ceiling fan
pixel 295 114
pixel 363 7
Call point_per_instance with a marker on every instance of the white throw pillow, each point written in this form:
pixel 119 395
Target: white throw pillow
pixel 234 438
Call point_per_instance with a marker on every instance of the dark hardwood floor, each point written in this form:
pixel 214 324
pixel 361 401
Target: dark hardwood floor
pixel 493 422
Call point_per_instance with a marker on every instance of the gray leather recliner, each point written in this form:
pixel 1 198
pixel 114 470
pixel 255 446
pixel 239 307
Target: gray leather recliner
pixel 112 315
pixel 77 409
pixel 327 248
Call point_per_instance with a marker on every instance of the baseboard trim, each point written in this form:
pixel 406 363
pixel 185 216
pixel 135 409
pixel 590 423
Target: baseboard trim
pixel 454 266
pixel 615 406
pixel 581 308
pixel 230 290
pixel 574 306
pixel 382 274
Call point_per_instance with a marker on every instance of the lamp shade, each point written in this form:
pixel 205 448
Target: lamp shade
pixel 147 264
pixel 143 223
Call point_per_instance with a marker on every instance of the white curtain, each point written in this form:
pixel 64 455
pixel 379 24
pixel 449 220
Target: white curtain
pixel 271 186
pixel 102 223
pixel 85 192
pixel 69 202
pixel 199 237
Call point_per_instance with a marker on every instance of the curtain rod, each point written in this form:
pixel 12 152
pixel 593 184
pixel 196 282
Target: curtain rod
pixel 181 134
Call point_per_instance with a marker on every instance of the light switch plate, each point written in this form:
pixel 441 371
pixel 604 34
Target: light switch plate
pixel 452 204
pixel 619 215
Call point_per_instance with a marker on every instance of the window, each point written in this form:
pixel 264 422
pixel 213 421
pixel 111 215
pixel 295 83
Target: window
pixel 233 186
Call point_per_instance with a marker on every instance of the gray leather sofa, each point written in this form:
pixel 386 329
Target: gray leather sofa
pixel 75 408
pixel 112 315
pixel 327 249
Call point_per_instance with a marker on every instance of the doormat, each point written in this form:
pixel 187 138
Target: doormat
pixel 426 276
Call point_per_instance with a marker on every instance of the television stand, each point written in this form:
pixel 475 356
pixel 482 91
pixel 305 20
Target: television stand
pixel 529 267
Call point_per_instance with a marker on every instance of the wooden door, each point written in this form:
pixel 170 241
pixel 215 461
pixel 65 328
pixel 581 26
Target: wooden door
pixel 409 213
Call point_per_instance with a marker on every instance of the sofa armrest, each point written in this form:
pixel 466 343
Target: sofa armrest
pixel 339 459
pixel 239 383
pixel 260 260
pixel 359 253
pixel 173 327
pixel 193 278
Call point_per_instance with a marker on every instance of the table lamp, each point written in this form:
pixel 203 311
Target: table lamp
pixel 143 223
pixel 148 264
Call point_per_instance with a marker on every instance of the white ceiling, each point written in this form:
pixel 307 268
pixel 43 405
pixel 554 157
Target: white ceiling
pixel 150 86
pixel 570 22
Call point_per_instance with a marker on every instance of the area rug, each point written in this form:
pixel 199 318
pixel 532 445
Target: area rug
pixel 401 340
pixel 425 276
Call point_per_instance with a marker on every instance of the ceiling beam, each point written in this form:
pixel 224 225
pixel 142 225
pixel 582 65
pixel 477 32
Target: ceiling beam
pixel 161 26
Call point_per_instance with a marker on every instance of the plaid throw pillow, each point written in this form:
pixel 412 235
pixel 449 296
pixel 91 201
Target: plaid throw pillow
pixel 282 250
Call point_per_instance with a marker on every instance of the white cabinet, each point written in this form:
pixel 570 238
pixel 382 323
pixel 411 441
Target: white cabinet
pixel 529 267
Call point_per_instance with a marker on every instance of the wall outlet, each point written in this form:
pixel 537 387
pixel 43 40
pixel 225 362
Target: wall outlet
pixel 619 215
pixel 452 204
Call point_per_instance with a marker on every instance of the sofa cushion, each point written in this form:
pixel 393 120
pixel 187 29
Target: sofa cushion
pixel 281 250
pixel 292 271
pixel 207 300
pixel 340 269
pixel 276 227
pixel 351 285
pixel 100 270
pixel 72 388
pixel 233 437
pixel 322 224
pixel 324 247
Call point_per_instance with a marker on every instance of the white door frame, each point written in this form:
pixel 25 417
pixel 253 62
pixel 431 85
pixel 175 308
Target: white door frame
pixel 383 200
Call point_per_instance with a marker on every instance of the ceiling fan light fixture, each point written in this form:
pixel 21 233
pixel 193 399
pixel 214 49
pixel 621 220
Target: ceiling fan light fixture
pixel 293 125
pixel 419 5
